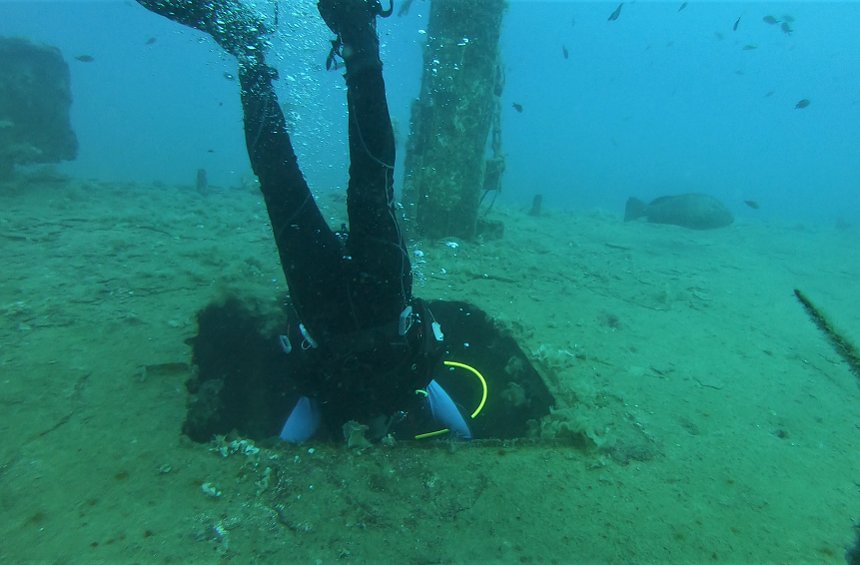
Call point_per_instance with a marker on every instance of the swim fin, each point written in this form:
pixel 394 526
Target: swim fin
pixel 303 422
pixel 445 412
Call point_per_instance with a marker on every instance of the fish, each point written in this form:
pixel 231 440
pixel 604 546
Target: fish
pixel 692 211
pixel 518 107
pixel 564 51
pixel 802 104
pixel 229 76
pixel 770 20
pixel 85 58
pixel 752 204
pixel 684 5
pixel 150 41
pixel 786 29
pixel 768 94
pixel 614 15
pixel 735 27
pixel 749 47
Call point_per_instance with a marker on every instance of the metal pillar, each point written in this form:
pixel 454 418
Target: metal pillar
pixel 447 165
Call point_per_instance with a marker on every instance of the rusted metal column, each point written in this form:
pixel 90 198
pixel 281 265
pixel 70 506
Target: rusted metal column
pixel 446 161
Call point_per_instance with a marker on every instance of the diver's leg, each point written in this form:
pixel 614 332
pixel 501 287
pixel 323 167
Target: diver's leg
pixel 375 241
pixel 310 252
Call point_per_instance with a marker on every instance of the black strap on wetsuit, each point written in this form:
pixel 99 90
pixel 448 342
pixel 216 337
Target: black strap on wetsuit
pixel 349 295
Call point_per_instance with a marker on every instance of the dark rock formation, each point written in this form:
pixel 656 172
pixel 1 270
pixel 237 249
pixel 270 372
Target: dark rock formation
pixel 35 98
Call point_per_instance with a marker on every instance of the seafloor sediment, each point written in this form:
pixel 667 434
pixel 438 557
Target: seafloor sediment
pixel 733 424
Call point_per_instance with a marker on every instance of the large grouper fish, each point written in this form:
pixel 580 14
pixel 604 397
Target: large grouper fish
pixel 694 211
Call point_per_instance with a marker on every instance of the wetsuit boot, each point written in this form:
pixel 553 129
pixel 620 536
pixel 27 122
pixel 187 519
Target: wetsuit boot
pixel 236 28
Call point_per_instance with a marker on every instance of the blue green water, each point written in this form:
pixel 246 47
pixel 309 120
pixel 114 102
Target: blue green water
pixel 659 101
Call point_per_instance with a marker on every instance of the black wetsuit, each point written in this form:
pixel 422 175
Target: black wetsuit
pixel 349 292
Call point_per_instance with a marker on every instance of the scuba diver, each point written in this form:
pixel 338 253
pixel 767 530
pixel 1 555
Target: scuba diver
pixel 368 348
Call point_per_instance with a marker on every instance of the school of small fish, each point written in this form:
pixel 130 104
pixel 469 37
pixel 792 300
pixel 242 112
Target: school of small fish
pixel 784 25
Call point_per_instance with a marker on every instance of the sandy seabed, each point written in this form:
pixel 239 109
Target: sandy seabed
pixel 742 424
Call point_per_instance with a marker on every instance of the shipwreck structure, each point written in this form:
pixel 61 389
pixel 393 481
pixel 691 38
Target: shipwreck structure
pixel 454 152
pixel 35 99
